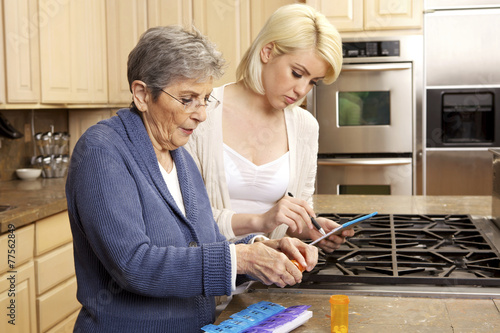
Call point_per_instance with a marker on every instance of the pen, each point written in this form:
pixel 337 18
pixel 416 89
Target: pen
pixel 313 220
pixel 344 226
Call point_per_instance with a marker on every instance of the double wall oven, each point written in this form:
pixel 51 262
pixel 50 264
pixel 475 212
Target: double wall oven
pixel 367 119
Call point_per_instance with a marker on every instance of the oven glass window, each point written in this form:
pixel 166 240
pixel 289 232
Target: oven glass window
pixel 364 108
pixel 365 189
pixel 468 118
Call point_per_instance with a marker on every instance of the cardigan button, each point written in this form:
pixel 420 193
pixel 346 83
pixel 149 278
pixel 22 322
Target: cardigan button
pixel 193 244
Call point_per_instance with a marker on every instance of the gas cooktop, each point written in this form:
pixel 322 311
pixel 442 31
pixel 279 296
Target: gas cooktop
pixel 391 249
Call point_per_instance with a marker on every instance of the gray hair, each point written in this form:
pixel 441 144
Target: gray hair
pixel 167 54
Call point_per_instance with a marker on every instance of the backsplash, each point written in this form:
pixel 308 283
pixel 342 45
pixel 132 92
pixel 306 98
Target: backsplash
pixel 17 153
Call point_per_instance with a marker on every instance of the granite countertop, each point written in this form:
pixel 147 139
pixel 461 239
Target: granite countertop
pixel 383 313
pixel 403 204
pixel 30 200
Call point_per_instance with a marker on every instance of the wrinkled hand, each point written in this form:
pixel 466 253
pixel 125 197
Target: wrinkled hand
pixel 290 211
pixel 328 244
pixel 269 261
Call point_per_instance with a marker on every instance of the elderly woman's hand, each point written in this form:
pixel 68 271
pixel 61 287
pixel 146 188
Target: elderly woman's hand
pixel 269 261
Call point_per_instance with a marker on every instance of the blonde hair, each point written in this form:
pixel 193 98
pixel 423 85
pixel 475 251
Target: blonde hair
pixel 291 28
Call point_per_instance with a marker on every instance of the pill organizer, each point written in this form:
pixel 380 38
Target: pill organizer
pixel 263 317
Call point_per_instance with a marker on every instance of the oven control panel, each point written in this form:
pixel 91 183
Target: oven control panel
pixel 387 48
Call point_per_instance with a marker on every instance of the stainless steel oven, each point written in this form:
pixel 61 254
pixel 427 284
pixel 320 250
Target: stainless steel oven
pixel 367 119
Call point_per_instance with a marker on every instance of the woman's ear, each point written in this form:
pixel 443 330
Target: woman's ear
pixel 266 53
pixel 140 95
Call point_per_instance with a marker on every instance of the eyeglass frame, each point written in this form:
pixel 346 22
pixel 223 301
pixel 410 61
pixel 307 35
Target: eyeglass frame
pixel 196 107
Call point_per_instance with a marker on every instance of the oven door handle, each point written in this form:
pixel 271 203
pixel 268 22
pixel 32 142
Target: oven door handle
pixel 375 67
pixel 364 161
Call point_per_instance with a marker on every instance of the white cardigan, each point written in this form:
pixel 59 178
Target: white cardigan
pixel 206 147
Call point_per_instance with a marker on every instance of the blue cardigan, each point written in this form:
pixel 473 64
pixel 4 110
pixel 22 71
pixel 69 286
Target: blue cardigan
pixel 141 265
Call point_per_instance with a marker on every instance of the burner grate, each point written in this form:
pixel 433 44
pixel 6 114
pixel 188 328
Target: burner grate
pixel 410 249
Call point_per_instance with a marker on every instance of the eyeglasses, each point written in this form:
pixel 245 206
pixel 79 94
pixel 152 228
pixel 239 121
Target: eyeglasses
pixel 191 106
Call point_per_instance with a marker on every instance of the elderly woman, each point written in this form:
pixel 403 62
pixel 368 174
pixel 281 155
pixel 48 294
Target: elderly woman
pixel 148 254
pixel 258 145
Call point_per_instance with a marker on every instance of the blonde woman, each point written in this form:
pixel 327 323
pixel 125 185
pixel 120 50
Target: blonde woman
pixel 258 145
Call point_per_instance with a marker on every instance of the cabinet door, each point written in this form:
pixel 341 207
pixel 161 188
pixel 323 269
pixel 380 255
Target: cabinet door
pixel 72 51
pixel 126 21
pixel 345 15
pixel 96 24
pixel 55 51
pixel 2 69
pixel 22 51
pixel 165 12
pixel 392 15
pixel 226 23
pixel 24 300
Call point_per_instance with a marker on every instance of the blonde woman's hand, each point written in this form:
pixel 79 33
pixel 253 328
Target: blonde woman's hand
pixel 293 212
pixel 328 244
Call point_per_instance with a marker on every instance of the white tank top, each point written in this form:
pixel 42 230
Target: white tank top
pixel 254 189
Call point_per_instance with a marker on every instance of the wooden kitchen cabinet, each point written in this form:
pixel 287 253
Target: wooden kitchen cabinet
pixel 73 53
pixel 367 15
pixel 45 281
pixel 24 300
pixel 55 280
pixel 23 292
pixel 22 52
pixel 126 21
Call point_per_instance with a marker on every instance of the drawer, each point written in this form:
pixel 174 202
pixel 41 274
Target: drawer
pixel 22 245
pixel 56 305
pixel 54 267
pixel 52 232
pixel 67 325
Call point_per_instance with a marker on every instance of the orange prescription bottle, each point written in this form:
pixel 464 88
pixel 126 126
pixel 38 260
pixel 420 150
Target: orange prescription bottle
pixel 339 313
pixel 298 265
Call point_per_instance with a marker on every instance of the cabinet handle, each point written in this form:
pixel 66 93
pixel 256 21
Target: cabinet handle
pixel 376 67
pixel 364 161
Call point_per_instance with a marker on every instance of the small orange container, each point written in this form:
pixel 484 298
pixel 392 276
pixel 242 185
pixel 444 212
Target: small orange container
pixel 339 313
pixel 298 265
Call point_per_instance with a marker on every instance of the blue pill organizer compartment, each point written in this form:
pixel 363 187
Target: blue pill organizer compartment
pixel 263 316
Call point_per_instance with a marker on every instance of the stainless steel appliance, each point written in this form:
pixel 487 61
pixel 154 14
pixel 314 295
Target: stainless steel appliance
pixel 462 95
pixel 367 119
pixel 413 255
pixel 495 196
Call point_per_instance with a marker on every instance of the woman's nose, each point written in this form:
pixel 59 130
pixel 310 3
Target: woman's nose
pixel 200 114
pixel 302 88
